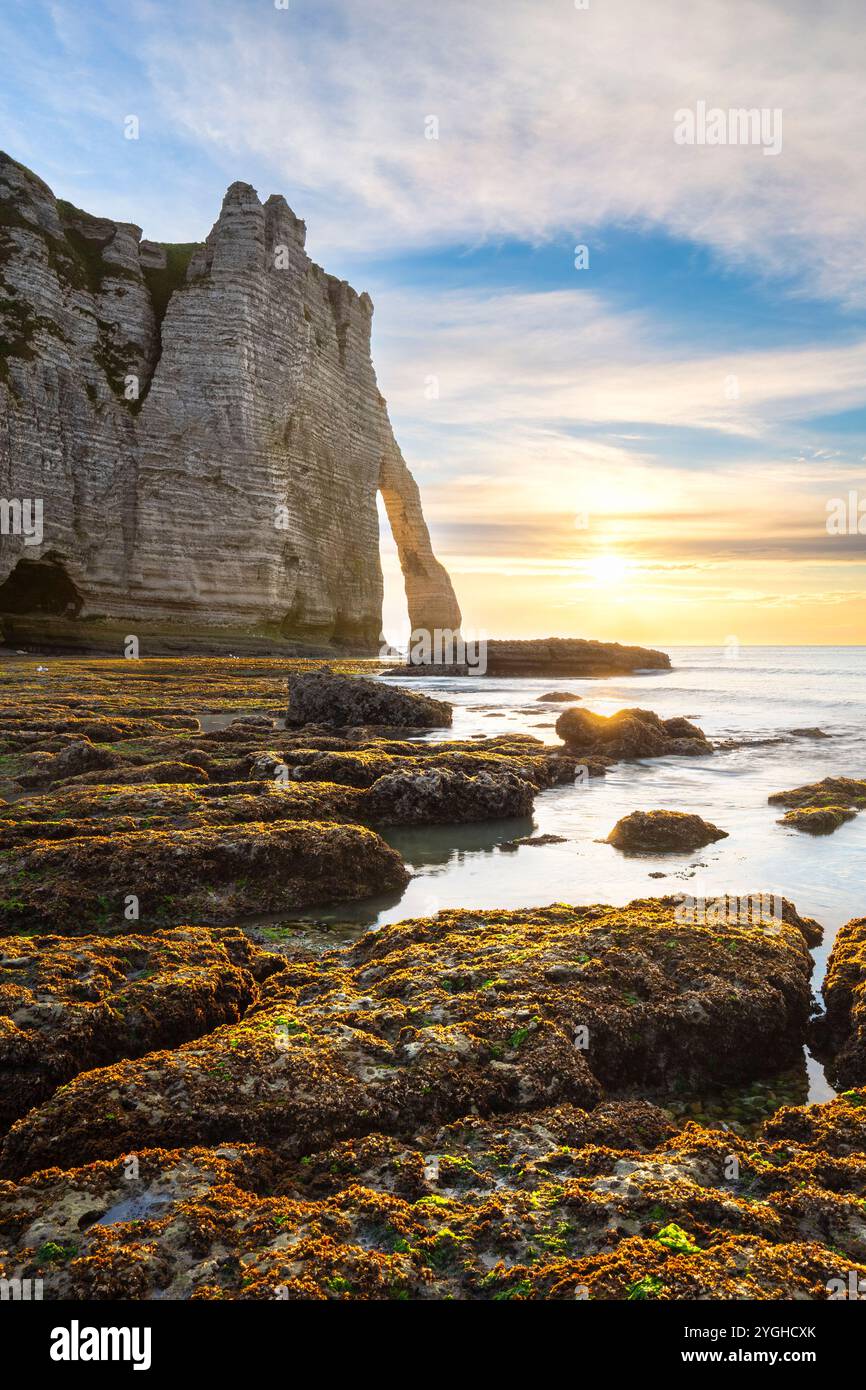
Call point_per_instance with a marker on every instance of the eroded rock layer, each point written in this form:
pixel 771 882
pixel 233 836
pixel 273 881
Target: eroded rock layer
pixel 561 1204
pixel 466 1012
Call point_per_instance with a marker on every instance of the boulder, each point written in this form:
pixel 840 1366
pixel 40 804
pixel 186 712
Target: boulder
pixel 630 733
pixel 841 1034
pixel 830 791
pixel 818 820
pixel 322 697
pixel 442 797
pixel 663 831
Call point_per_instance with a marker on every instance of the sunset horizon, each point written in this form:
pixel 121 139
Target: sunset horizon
pixel 432 675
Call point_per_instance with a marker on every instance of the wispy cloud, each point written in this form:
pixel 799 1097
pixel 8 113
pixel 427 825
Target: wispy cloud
pixel 567 357
pixel 549 118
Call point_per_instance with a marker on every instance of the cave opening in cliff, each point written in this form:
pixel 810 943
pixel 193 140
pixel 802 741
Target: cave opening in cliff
pixel 40 586
pixel 396 626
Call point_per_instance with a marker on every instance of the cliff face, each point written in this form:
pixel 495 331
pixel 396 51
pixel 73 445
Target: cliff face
pixel 204 429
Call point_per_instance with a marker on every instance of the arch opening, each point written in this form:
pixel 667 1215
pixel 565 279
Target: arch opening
pixel 396 626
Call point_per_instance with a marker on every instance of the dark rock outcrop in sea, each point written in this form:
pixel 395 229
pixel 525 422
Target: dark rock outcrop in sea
pixel 630 733
pixel 569 656
pixel 818 820
pixel 662 831
pixel 326 698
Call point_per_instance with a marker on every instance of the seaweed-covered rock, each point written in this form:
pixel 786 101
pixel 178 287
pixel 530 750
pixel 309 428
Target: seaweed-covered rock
pixel 818 820
pixel 69 1004
pixel 36 730
pixel 831 1131
pixel 560 1204
pixel 843 1030
pixel 152 774
pixel 81 756
pixel 440 796
pixel 534 841
pixel 411 795
pixel 430 1019
pixel 211 876
pixel 360 766
pixel 630 733
pixel 830 791
pixel 661 831
pixel 322 697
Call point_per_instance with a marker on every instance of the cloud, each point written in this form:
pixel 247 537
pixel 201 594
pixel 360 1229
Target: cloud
pixel 565 357
pixel 549 118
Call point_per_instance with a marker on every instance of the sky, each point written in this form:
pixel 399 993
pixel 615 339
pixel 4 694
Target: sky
pixel 629 374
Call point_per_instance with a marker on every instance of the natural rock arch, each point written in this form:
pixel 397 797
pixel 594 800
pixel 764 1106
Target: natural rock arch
pixel 232 494
pixel 429 594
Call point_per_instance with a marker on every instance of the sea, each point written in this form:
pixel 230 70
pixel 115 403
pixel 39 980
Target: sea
pixel 749 700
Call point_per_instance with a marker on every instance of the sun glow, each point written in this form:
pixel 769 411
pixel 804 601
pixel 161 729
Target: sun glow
pixel 608 568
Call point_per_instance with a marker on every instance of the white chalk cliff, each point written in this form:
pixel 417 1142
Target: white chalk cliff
pixel 204 428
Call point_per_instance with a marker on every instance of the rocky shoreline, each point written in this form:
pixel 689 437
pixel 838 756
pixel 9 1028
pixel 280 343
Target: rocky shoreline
pixel 485 1105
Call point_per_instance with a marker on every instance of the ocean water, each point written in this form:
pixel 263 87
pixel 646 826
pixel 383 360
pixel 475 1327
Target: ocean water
pixel 760 693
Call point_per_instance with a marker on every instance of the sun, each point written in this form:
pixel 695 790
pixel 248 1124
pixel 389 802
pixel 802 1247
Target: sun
pixel 608 568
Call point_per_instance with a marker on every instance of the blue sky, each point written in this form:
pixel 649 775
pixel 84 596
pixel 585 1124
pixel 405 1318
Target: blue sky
pixel 695 396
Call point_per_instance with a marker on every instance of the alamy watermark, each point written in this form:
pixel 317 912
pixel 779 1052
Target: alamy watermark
pixel 846 516
pixel 443 646
pixel 22 516
pixel 20 1290
pixel 737 126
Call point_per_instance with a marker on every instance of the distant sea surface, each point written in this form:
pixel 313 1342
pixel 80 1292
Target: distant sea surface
pixel 760 693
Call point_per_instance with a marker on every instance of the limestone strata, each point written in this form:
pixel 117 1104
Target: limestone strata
pixel 431 1019
pixel 565 1203
pixel 412 797
pixel 366 762
pixel 211 876
pixel 69 1005
pixel 205 430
